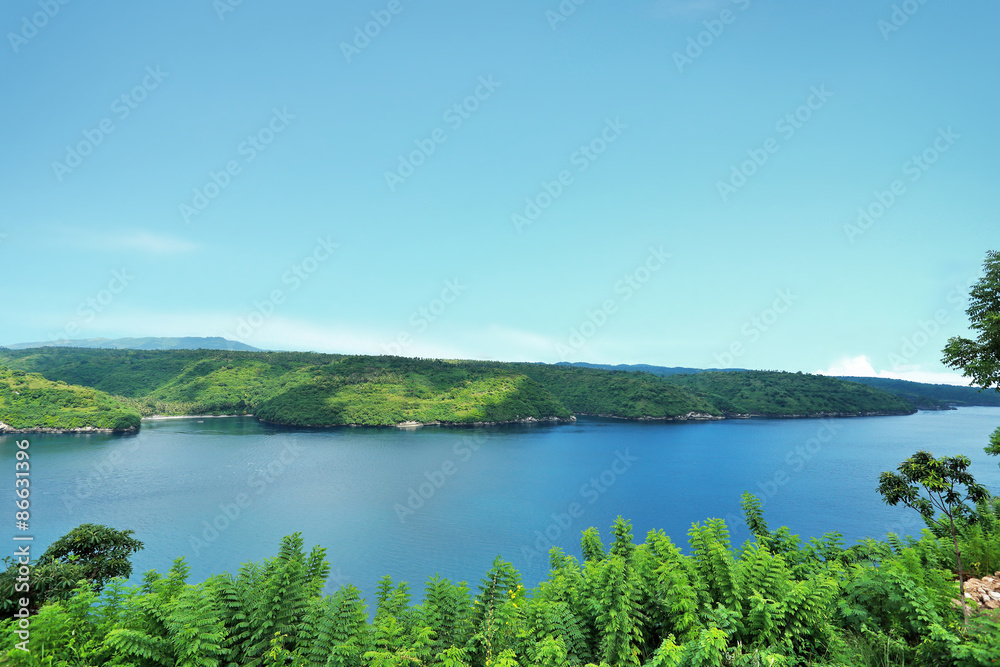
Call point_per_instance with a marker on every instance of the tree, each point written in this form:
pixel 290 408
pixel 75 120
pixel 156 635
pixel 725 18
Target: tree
pixel 90 552
pixel 943 481
pixel 979 359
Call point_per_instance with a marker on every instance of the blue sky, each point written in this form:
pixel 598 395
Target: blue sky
pixel 672 182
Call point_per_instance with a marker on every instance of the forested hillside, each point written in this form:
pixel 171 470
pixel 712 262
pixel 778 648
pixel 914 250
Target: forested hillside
pixel 922 395
pixel 617 393
pixel 772 393
pixel 27 401
pixel 376 393
pixel 302 388
pixel 932 396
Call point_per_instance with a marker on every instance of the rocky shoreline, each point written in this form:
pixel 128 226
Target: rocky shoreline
pixel 154 418
pixel 7 429
pixel 526 420
pixel 690 416
pixel 416 424
pixel 819 415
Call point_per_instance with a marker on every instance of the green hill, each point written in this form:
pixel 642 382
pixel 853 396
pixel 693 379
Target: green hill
pixel 629 395
pixel 377 392
pixel 29 401
pixel 304 388
pixel 773 393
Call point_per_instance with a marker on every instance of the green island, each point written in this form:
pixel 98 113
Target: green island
pixel 312 389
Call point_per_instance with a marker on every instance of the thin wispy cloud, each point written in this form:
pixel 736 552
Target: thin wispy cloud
pixel 155 243
pixel 134 240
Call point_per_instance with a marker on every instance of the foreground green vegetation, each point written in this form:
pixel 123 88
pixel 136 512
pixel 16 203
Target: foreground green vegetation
pixel 309 389
pixel 28 400
pixel 776 600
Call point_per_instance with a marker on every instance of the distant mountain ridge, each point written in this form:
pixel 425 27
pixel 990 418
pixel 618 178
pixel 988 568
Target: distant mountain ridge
pixel 147 343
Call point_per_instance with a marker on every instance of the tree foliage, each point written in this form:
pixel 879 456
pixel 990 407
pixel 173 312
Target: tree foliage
pixel 930 485
pixel 90 552
pixel 979 358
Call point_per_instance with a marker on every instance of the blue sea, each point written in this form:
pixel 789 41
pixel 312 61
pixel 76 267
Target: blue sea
pixel 412 503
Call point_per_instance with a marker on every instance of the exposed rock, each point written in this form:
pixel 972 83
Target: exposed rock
pixel 984 592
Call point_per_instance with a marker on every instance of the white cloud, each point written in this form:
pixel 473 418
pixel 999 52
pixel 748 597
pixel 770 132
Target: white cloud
pixel 143 241
pixel 861 366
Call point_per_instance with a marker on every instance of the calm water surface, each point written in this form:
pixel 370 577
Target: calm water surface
pixel 412 503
